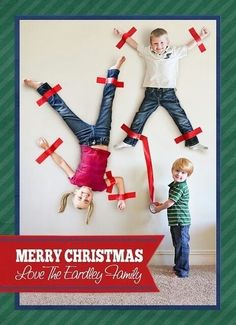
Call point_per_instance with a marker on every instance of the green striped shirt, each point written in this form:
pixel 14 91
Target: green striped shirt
pixel 179 214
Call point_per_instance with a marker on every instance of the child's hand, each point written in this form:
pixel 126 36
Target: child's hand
pixel 42 142
pixel 117 32
pixel 204 32
pixel 121 204
pixel 154 207
pixel 158 208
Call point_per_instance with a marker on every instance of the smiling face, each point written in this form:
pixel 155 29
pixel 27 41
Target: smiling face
pixel 159 44
pixel 179 175
pixel 83 197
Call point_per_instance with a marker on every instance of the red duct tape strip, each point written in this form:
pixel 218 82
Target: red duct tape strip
pixel 198 39
pixel 112 181
pixel 125 36
pixel 125 196
pixel 49 151
pixel 188 135
pixel 48 94
pixel 113 81
pixel 147 156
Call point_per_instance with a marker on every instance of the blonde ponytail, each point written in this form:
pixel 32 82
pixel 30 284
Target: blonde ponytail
pixel 63 201
pixel 89 213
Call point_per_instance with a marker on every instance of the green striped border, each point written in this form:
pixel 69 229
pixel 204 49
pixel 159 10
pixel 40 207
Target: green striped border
pixel 227 11
pixel 217 20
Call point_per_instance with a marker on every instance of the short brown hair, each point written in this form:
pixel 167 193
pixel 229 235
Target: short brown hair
pixel 183 164
pixel 158 32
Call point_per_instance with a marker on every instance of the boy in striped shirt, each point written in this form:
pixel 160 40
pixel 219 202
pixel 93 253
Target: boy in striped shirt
pixel 178 214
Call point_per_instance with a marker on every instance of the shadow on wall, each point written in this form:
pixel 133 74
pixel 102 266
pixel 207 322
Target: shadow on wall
pixel 200 239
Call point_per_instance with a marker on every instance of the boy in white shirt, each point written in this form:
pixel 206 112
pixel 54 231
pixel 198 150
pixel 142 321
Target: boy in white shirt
pixel 160 81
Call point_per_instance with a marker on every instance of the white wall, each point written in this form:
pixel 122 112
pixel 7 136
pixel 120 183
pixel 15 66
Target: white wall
pixel 73 53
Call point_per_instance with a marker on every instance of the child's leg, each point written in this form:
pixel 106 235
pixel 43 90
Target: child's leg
pixel 171 103
pixel 174 242
pixel 149 105
pixel 180 238
pixel 79 127
pixel 103 124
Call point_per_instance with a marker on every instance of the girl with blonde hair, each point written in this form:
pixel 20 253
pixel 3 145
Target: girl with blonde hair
pixel 94 141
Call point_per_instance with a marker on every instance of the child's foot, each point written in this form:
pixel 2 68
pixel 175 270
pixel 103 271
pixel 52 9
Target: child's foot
pixel 198 146
pixel 122 145
pixel 173 275
pixel 181 275
pixel 119 63
pixel 32 84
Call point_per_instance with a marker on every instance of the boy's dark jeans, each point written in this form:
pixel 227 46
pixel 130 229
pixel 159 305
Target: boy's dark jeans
pixel 87 134
pixel 180 238
pixel 167 98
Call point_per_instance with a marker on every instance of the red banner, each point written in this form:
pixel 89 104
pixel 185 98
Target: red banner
pixel 77 263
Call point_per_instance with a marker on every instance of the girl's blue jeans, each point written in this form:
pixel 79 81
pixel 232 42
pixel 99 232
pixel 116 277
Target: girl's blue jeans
pixel 166 98
pixel 87 134
pixel 180 238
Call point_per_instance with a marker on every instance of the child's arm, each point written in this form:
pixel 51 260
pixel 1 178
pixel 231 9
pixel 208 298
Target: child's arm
pixel 130 41
pixel 58 160
pixel 121 190
pixel 203 34
pixel 119 182
pixel 167 204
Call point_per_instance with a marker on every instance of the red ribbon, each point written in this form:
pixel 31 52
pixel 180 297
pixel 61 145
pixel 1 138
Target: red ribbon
pixel 147 156
pixel 48 94
pixel 113 81
pixel 198 39
pixel 49 151
pixel 125 36
pixel 112 181
pixel 125 196
pixel 188 135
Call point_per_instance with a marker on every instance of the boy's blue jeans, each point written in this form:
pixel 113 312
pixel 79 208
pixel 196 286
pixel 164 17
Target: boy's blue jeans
pixel 180 238
pixel 87 134
pixel 167 98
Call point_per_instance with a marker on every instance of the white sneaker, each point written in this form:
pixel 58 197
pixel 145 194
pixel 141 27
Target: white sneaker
pixel 122 145
pixel 198 146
